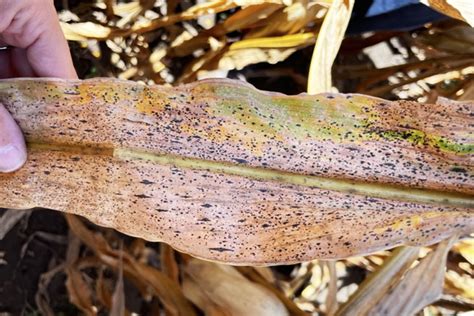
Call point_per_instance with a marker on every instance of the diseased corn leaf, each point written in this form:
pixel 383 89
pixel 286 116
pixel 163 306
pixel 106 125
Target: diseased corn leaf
pixel 225 172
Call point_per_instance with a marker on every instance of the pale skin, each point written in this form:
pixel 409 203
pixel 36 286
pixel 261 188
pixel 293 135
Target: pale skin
pixel 37 49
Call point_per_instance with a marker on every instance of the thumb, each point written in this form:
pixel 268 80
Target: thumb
pixel 12 144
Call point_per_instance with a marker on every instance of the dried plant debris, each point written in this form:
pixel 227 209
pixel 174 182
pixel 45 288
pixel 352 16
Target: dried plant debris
pixel 145 40
pixel 96 258
pixel 157 42
pixel 428 63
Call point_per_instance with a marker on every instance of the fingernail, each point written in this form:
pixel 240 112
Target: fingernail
pixel 11 158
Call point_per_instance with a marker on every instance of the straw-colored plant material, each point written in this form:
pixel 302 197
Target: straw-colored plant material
pixel 79 291
pixel 458 9
pixel 222 290
pixel 117 304
pixel 225 172
pixel 270 31
pixel 393 289
pixel 458 39
pixel 85 31
pixel 142 275
pixel 378 284
pixel 285 41
pixel 466 249
pixel 327 45
pixel 408 296
pixel 433 62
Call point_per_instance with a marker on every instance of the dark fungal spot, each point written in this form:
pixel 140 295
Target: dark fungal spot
pixel 142 196
pixel 239 160
pixel 69 92
pixel 161 210
pixel 458 169
pixel 204 219
pixel 147 182
pixel 206 205
pixel 220 249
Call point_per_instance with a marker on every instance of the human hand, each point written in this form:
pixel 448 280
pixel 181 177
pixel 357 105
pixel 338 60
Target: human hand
pixel 37 49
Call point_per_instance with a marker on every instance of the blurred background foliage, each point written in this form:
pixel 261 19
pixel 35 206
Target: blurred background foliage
pixel 389 54
pixel 389 49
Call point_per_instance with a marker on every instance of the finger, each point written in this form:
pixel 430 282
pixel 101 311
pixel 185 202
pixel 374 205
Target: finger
pixel 49 55
pixel 6 70
pixel 8 9
pixel 35 28
pixel 12 144
pixel 19 61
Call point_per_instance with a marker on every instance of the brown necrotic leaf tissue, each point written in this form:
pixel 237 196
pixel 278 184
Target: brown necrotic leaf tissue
pixel 225 172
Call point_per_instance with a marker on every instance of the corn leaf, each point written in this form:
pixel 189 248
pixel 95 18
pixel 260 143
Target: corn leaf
pixel 225 172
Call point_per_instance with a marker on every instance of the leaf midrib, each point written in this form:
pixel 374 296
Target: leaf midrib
pixel 375 190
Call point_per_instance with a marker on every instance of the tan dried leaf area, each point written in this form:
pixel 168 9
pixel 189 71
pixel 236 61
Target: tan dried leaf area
pixel 228 173
pixel 458 9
